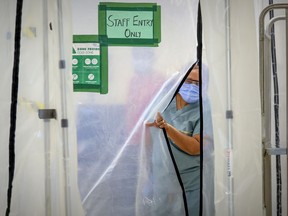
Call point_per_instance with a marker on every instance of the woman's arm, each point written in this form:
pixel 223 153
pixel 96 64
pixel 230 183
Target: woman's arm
pixel 188 144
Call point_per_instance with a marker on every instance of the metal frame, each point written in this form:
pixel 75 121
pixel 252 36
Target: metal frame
pixel 265 85
pixel 229 114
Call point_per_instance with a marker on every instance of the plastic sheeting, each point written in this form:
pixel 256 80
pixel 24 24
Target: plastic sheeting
pixel 116 156
pixel 140 178
pixel 124 167
pixel 230 32
pixel 45 178
pixel 113 154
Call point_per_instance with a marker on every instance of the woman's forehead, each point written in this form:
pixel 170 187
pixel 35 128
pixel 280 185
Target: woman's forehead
pixel 194 74
pixel 195 67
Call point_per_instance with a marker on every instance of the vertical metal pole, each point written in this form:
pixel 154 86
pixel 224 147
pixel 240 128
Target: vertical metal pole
pixel 265 82
pixel 64 117
pixel 276 111
pixel 286 14
pixel 46 104
pixel 229 114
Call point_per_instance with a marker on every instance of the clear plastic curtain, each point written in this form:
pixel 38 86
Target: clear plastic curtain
pixel 45 180
pixel 230 52
pixel 8 12
pixel 125 168
pixel 140 177
pixel 231 47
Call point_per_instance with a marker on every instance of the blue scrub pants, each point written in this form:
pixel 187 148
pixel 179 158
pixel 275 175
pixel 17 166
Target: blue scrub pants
pixel 193 202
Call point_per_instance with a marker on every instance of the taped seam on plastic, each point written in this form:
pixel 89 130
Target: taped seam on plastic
pixel 14 102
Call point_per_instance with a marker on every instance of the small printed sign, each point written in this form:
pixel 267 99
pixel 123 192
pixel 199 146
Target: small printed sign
pixel 86 63
pixel 89 70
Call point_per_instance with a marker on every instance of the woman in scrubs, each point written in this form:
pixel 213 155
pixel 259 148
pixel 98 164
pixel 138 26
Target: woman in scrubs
pixel 181 121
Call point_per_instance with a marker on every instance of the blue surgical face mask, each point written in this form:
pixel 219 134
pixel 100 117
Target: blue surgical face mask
pixel 189 92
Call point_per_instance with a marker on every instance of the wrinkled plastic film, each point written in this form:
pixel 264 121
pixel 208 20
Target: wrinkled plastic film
pixel 125 168
pixel 238 170
pixel 145 163
pixel 38 184
pixel 8 12
pixel 122 163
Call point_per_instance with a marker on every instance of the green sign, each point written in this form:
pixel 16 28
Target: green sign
pixel 130 24
pixel 89 64
pixel 119 24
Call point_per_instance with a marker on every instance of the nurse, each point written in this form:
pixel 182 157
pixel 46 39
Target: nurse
pixel 181 120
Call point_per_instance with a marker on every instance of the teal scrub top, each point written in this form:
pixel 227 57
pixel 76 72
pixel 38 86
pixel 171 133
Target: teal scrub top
pixel 186 120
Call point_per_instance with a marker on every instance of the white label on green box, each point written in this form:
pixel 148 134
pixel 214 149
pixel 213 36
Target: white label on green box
pixel 86 63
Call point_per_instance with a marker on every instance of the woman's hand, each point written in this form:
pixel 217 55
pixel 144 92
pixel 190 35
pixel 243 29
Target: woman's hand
pixel 159 122
pixel 190 145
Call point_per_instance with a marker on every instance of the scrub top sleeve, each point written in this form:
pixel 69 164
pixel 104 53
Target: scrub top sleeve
pixel 196 129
